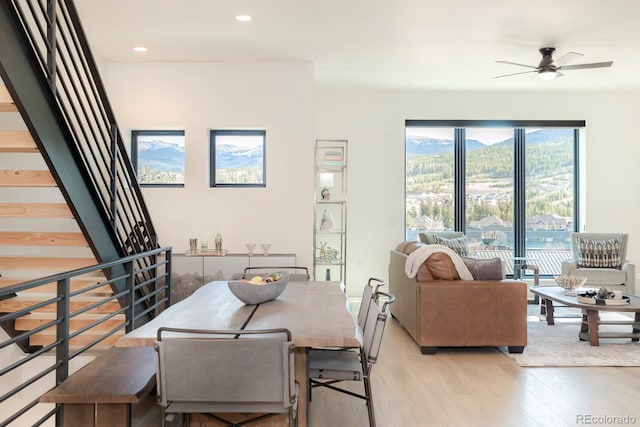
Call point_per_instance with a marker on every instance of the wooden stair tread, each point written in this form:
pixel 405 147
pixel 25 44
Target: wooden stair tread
pixel 76 284
pixel 34 320
pixel 17 142
pixel 37 238
pixel 83 339
pixel 26 178
pixel 22 302
pixel 45 263
pixel 6 102
pixel 35 210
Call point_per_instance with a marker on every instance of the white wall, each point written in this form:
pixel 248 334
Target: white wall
pixel 373 122
pixel 200 96
pixel 280 98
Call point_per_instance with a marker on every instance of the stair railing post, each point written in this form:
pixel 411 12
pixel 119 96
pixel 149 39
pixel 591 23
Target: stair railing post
pixel 51 39
pixel 167 287
pixel 62 336
pixel 129 298
pixel 113 151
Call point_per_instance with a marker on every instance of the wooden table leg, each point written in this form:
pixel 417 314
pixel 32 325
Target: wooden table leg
pixel 584 327
pixel 548 308
pixel 636 319
pixel 592 320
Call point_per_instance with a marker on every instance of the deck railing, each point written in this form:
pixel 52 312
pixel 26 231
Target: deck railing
pixel 24 377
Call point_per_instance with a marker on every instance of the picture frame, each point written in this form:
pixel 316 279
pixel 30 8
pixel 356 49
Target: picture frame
pixel 158 157
pixel 237 158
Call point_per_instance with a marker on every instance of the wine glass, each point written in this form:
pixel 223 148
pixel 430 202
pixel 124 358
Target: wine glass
pixel 250 247
pixel 265 248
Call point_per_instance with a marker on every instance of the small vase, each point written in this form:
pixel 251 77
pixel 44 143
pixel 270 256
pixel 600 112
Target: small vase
pixel 326 222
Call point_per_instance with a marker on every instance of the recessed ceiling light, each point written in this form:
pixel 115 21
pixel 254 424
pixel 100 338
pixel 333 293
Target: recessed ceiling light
pixel 140 49
pixel 243 18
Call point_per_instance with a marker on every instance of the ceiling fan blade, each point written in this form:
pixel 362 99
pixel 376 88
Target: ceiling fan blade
pixel 515 63
pixel 583 66
pixel 514 74
pixel 567 57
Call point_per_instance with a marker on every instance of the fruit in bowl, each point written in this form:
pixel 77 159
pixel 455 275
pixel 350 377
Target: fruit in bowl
pixel 259 289
pixel 569 283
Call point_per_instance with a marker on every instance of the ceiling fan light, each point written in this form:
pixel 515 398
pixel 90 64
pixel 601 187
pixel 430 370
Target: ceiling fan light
pixel 547 74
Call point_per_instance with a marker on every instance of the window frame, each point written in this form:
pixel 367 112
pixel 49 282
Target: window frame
pixel 519 127
pixel 213 134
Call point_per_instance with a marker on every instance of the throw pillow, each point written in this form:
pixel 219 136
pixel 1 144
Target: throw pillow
pixel 600 253
pixel 441 267
pixel 484 269
pixel 458 245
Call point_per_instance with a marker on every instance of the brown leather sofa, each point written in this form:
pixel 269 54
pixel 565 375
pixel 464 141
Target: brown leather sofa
pixel 456 313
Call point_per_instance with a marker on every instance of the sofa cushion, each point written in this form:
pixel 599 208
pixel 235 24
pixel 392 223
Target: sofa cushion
pixel 428 237
pixel 484 269
pixel 458 245
pixel 600 253
pixel 441 267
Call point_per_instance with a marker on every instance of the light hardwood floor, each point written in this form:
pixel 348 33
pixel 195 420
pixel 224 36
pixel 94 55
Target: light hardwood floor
pixel 479 387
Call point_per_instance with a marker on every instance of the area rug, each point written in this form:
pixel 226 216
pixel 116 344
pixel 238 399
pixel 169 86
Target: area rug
pixel 559 345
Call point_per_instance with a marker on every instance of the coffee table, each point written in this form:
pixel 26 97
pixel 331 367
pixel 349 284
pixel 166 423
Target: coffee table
pixel 589 330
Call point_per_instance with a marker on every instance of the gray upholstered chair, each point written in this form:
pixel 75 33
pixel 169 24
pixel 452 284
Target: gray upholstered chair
pixel 214 372
pixel 601 258
pixel 328 367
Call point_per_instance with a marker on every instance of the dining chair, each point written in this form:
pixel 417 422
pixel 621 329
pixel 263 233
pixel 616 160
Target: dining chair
pixel 368 297
pixel 212 372
pixel 295 273
pixel 327 367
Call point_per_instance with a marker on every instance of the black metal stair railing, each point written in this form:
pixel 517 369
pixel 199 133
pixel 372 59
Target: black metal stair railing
pixel 65 59
pixel 49 365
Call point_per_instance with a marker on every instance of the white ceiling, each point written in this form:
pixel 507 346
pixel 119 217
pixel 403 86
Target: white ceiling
pixel 407 44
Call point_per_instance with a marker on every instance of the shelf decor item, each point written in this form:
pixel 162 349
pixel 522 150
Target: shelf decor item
pixel 330 210
pixel 326 222
pixel 326 182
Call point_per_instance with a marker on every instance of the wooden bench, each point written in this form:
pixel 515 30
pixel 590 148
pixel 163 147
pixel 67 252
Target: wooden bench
pixel 104 392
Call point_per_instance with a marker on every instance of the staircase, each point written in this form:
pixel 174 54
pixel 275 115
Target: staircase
pixel 69 199
pixel 40 236
pixel 68 194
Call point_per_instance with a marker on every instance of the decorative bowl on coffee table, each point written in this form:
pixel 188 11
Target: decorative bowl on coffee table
pixel 570 283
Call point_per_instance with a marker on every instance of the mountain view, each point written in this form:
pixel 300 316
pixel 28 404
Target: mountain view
pixel 489 177
pixel 160 161
pixel 237 156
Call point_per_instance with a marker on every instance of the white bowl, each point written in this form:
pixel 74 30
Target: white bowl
pixel 252 294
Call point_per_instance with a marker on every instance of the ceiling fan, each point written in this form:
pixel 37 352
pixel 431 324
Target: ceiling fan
pixel 549 68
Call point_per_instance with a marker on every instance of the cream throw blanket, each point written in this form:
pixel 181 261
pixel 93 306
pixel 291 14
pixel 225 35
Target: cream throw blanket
pixel 420 255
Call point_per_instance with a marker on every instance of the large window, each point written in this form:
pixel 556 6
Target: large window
pixel 509 186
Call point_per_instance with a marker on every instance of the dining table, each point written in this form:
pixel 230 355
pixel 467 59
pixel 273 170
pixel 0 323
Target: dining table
pixel 316 312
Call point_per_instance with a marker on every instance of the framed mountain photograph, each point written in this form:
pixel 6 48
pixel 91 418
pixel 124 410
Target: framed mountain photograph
pixel 158 157
pixel 237 158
